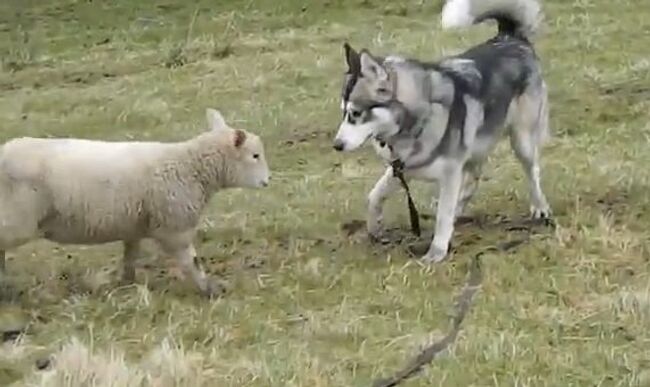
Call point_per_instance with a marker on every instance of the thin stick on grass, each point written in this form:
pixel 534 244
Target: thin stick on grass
pixel 425 357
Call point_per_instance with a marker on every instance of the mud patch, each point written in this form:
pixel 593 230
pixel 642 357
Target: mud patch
pixel 614 203
pixel 297 138
pixel 13 324
pixel 87 77
pixel 469 233
pixel 629 89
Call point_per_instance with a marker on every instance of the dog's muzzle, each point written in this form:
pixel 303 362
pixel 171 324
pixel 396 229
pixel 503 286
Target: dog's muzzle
pixel 338 145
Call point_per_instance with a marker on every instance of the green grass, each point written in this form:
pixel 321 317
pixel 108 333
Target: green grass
pixel 309 305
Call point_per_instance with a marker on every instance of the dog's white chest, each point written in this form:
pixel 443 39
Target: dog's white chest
pixel 433 171
pixel 382 151
pixel 482 146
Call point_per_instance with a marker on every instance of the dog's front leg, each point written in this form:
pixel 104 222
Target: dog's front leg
pixel 384 187
pixel 450 185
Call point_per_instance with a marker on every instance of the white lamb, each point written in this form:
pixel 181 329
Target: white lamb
pixel 91 192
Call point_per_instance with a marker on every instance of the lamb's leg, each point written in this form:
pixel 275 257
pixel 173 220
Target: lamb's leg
pixel 190 265
pixel 131 253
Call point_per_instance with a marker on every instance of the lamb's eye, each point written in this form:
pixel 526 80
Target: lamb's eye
pixel 256 156
pixel 382 90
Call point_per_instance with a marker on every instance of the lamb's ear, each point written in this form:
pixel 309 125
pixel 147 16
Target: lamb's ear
pixel 371 68
pixel 352 59
pixel 215 119
pixel 240 138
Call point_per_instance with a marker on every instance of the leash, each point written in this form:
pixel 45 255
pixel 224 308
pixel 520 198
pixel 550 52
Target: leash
pixel 462 305
pixel 398 172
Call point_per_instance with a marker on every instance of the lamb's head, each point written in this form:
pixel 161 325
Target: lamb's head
pixel 246 162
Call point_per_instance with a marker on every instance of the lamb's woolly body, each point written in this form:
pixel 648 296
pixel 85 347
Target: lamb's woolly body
pixel 521 17
pixel 92 192
pixel 82 191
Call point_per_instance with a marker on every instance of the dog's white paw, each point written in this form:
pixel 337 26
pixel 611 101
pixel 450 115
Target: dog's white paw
pixel 434 255
pixel 541 213
pixel 374 229
pixel 377 236
pixel 374 226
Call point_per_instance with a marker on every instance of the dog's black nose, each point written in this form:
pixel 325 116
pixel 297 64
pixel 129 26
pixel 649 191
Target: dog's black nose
pixel 338 145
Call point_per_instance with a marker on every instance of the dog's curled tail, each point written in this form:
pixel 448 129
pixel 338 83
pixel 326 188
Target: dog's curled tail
pixel 521 18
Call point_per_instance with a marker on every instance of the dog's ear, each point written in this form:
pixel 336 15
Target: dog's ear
pixel 352 59
pixel 371 68
pixel 215 119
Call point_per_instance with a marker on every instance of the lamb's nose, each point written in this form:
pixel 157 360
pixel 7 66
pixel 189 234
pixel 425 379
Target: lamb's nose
pixel 338 145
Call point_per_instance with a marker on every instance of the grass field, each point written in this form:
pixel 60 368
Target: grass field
pixel 307 303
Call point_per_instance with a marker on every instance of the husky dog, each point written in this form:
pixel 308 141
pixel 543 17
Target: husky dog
pixel 442 119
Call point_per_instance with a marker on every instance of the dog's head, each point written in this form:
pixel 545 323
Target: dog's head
pixel 367 101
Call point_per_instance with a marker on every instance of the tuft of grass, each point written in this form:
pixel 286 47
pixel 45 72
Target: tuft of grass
pixel 78 365
pixel 19 54
pixel 311 302
pixel 177 55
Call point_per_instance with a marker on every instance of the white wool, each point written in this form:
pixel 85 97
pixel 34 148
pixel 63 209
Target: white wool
pixel 83 191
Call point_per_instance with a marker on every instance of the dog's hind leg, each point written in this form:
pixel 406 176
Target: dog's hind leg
pixel 471 177
pixel 530 126
pixel 2 270
pixel 385 186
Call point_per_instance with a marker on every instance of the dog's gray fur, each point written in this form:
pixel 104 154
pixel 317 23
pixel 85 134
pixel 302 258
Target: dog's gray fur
pixel 442 119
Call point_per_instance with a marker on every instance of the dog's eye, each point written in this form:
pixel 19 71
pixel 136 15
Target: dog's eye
pixel 256 156
pixel 355 114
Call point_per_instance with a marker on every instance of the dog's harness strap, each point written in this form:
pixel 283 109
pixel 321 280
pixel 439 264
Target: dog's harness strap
pixel 398 172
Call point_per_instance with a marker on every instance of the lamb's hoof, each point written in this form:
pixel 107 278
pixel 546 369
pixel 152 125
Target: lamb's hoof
pixel 214 289
pixel 434 255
